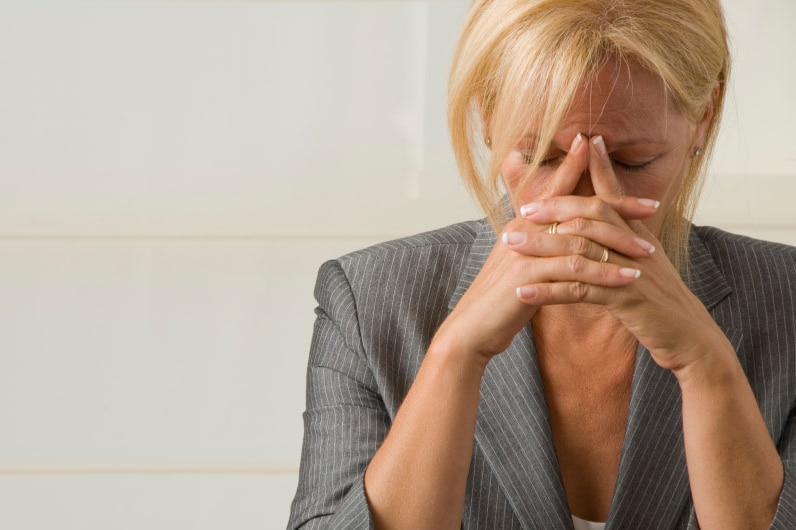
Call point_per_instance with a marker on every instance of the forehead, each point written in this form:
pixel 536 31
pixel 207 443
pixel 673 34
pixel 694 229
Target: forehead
pixel 622 101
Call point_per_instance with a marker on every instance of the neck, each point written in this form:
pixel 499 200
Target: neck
pixel 583 337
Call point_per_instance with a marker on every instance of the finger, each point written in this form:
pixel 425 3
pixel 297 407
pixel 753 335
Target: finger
pixel 567 175
pixel 641 229
pixel 577 269
pixel 571 206
pixel 582 237
pixel 618 239
pixel 603 178
pixel 575 292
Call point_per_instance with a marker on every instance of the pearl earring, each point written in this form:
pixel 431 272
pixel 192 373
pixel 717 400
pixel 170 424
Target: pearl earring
pixel 697 151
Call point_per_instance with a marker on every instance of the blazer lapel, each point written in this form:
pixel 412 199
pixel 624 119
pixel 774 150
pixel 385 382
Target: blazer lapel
pixel 652 488
pixel 513 432
pixel 513 429
pixel 652 485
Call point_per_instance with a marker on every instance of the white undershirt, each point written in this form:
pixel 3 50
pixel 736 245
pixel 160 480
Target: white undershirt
pixel 581 524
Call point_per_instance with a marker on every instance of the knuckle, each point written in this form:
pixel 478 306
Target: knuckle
pixel 579 225
pixel 576 263
pixel 536 241
pixel 578 290
pixel 580 246
pixel 600 207
pixel 553 201
pixel 517 267
pixel 514 225
pixel 548 190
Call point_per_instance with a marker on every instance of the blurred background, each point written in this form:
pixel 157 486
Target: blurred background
pixel 172 174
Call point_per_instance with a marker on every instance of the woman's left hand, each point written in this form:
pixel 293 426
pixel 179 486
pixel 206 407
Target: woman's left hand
pixel 657 308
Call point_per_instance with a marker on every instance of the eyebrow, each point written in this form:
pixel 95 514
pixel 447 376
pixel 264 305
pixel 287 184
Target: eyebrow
pixel 639 141
pixel 613 145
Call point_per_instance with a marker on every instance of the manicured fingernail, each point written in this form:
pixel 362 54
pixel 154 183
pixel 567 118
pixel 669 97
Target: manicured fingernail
pixel 599 143
pixel 646 245
pixel 514 238
pixel 526 291
pixel 530 209
pixel 576 143
pixel 629 273
pixel 650 203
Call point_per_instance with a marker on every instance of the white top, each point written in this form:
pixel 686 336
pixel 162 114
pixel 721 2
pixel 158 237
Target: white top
pixel 581 524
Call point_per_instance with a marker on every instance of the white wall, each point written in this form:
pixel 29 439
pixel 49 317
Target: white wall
pixel 172 176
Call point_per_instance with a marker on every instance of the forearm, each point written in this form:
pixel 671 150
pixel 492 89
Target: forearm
pixel 417 478
pixel 734 469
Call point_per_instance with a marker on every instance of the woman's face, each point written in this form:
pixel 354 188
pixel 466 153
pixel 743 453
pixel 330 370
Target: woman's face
pixel 649 141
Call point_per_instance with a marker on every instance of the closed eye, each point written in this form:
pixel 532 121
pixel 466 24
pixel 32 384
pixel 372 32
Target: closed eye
pixel 554 161
pixel 633 167
pixel 547 162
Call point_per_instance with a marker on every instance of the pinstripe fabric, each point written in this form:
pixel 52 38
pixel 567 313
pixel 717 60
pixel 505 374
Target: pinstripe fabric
pixel 378 310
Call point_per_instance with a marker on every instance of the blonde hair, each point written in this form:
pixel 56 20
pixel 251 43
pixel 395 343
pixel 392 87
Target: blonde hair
pixel 520 63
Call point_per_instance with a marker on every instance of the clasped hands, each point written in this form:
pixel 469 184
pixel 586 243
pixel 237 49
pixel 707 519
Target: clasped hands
pixel 567 249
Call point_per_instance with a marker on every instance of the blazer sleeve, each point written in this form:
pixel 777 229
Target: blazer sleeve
pixel 345 419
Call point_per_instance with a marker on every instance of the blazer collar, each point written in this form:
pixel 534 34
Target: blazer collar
pixel 513 429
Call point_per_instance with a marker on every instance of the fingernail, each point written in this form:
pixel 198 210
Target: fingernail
pixel 530 209
pixel 599 143
pixel 646 245
pixel 514 238
pixel 526 291
pixel 576 143
pixel 629 273
pixel 650 203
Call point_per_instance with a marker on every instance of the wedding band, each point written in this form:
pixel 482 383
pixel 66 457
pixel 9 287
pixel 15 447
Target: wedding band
pixel 604 257
pixel 553 228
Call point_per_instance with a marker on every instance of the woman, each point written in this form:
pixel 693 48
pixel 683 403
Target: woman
pixel 588 357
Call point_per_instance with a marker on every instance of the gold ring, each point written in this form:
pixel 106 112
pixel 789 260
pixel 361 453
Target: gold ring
pixel 553 228
pixel 604 257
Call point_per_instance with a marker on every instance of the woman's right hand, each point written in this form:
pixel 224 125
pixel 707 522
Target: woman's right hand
pixel 489 314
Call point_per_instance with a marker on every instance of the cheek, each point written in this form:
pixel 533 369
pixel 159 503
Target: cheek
pixel 648 186
pixel 660 186
pixel 513 169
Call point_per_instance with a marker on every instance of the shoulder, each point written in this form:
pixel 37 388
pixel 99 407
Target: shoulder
pixel 745 258
pixel 434 241
pixel 387 300
pixel 716 238
pixel 434 255
pixel 440 248
pixel 761 276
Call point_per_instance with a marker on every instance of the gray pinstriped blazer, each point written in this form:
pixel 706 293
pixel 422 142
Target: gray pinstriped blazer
pixel 378 310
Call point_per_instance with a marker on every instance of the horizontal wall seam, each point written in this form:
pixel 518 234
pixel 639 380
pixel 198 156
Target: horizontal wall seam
pixel 290 237
pixel 71 471
pixel 199 238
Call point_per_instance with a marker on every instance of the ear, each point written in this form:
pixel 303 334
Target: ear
pixel 702 126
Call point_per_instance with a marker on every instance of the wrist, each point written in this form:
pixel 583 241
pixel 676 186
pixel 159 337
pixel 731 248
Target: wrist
pixel 715 365
pixel 455 355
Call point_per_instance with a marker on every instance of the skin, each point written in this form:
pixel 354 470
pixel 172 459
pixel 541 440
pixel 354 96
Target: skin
pixel 622 118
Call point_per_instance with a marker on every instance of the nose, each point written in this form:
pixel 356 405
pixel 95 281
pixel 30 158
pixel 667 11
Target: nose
pixel 584 187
